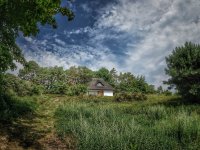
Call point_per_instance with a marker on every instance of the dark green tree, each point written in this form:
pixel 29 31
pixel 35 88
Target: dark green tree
pixel 104 73
pixel 127 82
pixel 141 84
pixel 114 77
pixel 183 67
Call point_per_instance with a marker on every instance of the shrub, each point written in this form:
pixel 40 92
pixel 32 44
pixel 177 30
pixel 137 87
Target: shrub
pixel 77 90
pixel 120 97
pixel 59 88
pixel 37 90
pixel 15 86
pixel 167 93
pixel 139 96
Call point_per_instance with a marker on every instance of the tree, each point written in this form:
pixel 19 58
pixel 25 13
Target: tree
pixel 160 90
pixel 24 16
pixel 76 90
pixel 183 66
pixel 126 82
pixel 50 78
pixel 14 85
pixel 151 89
pixel 30 71
pixel 114 77
pixel 79 75
pixel 104 73
pixel 141 84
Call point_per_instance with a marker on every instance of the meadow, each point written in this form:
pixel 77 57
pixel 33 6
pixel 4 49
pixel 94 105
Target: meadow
pixel 161 122
pixel 63 122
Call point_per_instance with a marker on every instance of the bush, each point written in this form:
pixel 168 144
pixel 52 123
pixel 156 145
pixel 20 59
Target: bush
pixel 58 88
pixel 15 86
pixel 167 93
pixel 37 90
pixel 120 97
pixel 139 96
pixel 77 90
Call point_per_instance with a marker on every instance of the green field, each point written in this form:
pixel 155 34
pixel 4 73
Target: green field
pixel 161 122
pixel 154 124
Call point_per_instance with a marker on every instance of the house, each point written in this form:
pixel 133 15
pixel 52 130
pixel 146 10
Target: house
pixel 99 87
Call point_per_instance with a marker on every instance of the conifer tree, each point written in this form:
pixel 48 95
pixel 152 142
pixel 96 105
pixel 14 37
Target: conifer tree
pixel 183 66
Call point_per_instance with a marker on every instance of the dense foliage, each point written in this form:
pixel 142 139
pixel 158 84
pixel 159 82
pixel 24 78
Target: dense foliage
pixel 22 16
pixel 74 80
pixel 13 85
pixel 183 66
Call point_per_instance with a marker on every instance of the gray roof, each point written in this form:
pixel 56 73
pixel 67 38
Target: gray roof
pixel 93 85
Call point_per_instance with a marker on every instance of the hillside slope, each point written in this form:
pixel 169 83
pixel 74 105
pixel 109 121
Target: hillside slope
pixel 61 122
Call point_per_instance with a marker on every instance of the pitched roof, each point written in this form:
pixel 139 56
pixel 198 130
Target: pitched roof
pixel 99 84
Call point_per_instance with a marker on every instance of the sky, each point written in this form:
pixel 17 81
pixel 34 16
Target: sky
pixel 129 35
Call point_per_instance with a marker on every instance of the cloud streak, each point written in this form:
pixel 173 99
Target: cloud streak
pixel 160 26
pixel 130 35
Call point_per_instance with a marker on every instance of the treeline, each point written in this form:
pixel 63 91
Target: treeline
pixel 33 79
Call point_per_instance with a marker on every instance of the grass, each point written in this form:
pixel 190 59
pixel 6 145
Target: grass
pixel 13 107
pixel 61 122
pixel 159 123
pixel 28 123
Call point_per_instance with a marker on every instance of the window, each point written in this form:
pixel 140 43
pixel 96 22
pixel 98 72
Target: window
pixel 100 84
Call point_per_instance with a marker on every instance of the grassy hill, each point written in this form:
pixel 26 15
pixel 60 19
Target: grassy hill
pixel 61 122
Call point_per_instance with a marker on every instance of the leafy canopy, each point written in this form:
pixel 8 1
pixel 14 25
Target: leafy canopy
pixel 183 66
pixel 74 80
pixel 24 16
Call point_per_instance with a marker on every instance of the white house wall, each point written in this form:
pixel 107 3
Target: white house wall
pixel 108 93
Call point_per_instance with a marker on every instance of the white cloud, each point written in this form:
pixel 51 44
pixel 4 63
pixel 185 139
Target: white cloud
pixel 149 29
pixel 161 26
pixel 60 42
pixel 86 8
pixel 61 54
pixel 131 16
pixel 86 29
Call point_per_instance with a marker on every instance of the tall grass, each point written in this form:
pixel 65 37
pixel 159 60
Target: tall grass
pixel 117 126
pixel 12 107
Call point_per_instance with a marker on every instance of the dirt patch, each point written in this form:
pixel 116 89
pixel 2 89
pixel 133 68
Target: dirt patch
pixel 3 142
pixel 52 142
pixel 17 140
pixel 6 144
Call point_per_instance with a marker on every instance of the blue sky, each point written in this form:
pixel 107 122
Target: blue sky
pixel 129 35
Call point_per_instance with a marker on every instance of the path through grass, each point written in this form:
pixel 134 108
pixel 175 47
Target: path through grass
pixel 60 122
pixel 33 128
